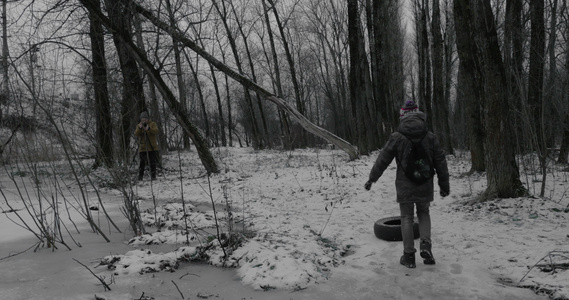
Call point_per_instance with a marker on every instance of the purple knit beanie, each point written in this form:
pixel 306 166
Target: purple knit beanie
pixel 409 106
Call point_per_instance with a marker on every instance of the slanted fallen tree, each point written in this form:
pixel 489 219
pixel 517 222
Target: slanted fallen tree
pixel 174 105
pixel 246 82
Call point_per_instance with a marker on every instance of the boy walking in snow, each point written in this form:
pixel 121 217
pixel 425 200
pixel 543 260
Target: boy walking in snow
pixel 413 129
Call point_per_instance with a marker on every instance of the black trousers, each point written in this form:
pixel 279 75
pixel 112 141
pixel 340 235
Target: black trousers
pixel 145 158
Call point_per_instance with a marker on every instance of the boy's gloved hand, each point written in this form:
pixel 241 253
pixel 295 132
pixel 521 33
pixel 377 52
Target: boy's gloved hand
pixel 367 186
pixel 444 193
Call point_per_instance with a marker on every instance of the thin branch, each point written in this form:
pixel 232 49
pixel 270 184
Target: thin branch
pixel 107 288
pixel 178 289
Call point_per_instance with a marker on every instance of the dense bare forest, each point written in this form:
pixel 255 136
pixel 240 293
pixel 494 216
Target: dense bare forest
pixel 493 76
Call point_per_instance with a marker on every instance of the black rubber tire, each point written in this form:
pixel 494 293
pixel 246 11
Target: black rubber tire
pixel 389 229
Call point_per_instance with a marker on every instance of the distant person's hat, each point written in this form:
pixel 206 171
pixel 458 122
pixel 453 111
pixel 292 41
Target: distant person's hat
pixel 409 106
pixel 144 115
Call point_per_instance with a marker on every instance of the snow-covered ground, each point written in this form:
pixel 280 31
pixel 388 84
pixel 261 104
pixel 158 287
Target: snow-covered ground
pixel 305 229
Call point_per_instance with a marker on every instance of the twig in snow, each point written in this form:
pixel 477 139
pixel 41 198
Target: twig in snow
pixel 178 289
pixel 21 252
pixel 102 280
pixel 551 264
pixel 188 274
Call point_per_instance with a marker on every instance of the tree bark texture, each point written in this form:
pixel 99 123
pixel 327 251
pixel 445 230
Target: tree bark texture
pixel 179 74
pixel 133 102
pixel 468 94
pixel 104 134
pixel 387 80
pixel 357 79
pixel 423 50
pixel 564 149
pixel 535 78
pixel 284 122
pixel 478 45
pixel 440 107
pixel 513 60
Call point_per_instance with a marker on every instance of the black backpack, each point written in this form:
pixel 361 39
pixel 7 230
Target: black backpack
pixel 419 168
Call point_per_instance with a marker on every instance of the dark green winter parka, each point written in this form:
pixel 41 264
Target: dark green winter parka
pixel 413 125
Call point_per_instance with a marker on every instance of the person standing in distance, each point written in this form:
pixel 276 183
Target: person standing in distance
pixel 147 132
pixel 413 129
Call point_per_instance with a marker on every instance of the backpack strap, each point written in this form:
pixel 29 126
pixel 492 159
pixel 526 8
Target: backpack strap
pixel 418 143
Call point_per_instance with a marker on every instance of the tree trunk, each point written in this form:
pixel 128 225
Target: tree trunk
pixel 477 40
pixel 469 94
pixel 449 44
pixel 424 60
pixel 551 115
pixel 564 148
pixel 179 74
pixel 266 133
pixel 285 128
pixel 440 107
pixel 513 61
pixel 357 77
pixel 229 117
pixel 104 134
pixel 535 84
pixel 340 143
pixel 222 11
pixel 386 62
pixel 219 106
pixel 201 97
pixel 379 109
pixel 291 65
pixel 5 92
pixel 133 102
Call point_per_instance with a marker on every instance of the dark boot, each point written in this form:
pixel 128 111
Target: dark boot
pixel 408 260
pixel 426 254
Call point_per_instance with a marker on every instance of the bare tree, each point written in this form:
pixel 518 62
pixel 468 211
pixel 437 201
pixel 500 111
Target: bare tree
pixel 300 106
pixel 421 9
pixel 359 78
pixel 245 37
pixel 104 134
pixel 535 83
pixel 181 115
pixel 132 90
pixel 564 149
pixel 5 92
pixel 469 95
pixel 224 14
pixel 551 93
pixel 477 41
pixel 513 52
pixel 330 22
pixel 301 119
pixel 285 127
pixel 384 59
pixel 179 74
pixel 440 105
